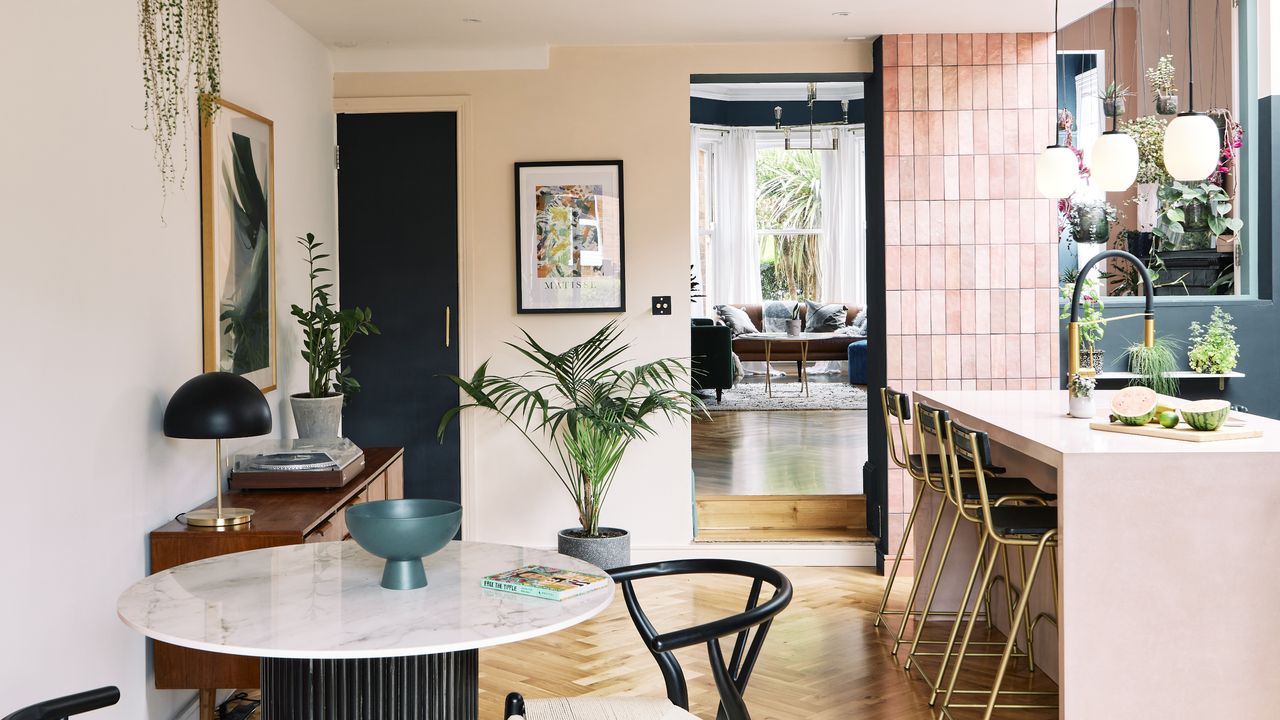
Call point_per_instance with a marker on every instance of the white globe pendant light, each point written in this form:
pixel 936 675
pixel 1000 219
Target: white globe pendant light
pixel 1057 172
pixel 1114 162
pixel 1192 146
pixel 1057 167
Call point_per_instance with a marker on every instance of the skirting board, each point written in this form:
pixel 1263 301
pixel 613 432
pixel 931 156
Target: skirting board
pixel 776 554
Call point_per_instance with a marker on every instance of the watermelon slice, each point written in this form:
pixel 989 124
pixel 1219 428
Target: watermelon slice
pixel 1206 414
pixel 1134 405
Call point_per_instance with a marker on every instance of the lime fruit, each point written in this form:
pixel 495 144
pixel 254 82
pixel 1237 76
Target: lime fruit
pixel 1169 419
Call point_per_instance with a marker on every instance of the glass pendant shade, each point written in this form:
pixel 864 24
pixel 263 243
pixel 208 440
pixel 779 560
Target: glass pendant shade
pixel 1113 164
pixel 1192 147
pixel 1057 172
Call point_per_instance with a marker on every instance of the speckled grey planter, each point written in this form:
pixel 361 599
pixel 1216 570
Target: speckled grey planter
pixel 316 418
pixel 606 553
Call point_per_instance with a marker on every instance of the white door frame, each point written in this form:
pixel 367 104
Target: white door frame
pixel 461 106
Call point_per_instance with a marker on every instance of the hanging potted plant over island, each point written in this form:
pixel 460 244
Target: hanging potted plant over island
pixel 581 409
pixel 1113 100
pixel 1163 90
pixel 1091 220
pixel 326 334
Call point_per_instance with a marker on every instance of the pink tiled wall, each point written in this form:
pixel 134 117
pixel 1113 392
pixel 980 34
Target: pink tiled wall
pixel 970 249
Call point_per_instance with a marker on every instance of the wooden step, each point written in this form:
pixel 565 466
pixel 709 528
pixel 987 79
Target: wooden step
pixel 783 535
pixel 781 512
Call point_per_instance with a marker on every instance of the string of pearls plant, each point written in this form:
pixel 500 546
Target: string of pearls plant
pixel 178 41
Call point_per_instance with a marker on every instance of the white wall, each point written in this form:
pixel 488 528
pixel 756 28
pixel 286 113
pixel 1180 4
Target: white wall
pixel 101 299
pixel 637 110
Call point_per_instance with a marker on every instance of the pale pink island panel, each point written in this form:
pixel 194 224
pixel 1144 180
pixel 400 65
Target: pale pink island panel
pixel 1169 587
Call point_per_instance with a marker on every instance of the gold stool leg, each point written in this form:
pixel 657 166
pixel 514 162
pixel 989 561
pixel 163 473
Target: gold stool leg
pixel 1020 613
pixel 933 590
pixel 978 564
pixel 897 560
pixel 915 586
pixel 1031 655
pixel 968 630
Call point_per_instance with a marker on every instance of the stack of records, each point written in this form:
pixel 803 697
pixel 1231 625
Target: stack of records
pixel 273 464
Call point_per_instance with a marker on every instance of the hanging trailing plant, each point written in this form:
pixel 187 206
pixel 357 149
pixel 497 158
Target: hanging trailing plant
pixel 178 40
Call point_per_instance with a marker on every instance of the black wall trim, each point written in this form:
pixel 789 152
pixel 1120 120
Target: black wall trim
pixel 779 77
pixel 759 113
pixel 877 489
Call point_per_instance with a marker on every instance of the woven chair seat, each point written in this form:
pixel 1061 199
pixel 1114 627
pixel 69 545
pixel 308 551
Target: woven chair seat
pixel 590 708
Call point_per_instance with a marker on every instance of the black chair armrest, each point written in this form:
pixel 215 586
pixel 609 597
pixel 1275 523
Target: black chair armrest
pixel 59 708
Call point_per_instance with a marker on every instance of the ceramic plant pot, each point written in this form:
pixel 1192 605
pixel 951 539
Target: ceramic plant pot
pixel 1092 359
pixel 1081 407
pixel 612 550
pixel 1195 215
pixel 793 328
pixel 316 418
pixel 1113 107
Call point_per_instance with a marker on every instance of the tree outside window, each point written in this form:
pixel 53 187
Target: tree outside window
pixel 788 222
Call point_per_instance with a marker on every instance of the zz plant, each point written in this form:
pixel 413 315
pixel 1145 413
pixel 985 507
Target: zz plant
pixel 581 409
pixel 178 40
pixel 327 331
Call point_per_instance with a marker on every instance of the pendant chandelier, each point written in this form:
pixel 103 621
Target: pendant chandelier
pixel 1057 169
pixel 1191 143
pixel 1113 163
pixel 811 127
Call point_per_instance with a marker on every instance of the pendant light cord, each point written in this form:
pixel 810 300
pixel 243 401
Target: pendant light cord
pixel 1191 65
pixel 1115 60
pixel 1053 116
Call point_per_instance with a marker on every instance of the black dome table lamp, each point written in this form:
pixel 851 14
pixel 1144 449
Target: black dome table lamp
pixel 217 405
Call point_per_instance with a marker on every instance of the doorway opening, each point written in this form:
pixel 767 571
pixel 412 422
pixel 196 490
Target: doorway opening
pixel 778 265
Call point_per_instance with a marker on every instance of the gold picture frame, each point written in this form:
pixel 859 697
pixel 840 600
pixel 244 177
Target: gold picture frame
pixel 238 229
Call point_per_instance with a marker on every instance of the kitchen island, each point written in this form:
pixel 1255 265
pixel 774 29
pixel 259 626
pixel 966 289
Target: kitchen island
pixel 1168 559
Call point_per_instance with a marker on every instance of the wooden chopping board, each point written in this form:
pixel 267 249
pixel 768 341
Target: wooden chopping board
pixel 1181 432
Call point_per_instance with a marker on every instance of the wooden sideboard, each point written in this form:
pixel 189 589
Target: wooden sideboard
pixel 281 517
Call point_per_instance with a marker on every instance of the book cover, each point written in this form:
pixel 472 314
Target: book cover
pixel 545 582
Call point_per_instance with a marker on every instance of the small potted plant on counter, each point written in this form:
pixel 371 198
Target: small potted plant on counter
pixel 1113 100
pixel 1080 391
pixel 581 409
pixel 1163 90
pixel 1092 324
pixel 326 334
pixel 1213 348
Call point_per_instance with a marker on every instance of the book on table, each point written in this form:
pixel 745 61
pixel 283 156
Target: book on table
pixel 545 582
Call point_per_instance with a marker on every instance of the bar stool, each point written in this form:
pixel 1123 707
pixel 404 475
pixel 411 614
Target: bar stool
pixel 963 495
pixel 924 468
pixel 1005 527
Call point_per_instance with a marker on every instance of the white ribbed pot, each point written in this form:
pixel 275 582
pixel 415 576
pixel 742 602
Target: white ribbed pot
pixel 316 418
pixel 1081 407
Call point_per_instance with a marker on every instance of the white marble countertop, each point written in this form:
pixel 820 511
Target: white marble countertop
pixel 1035 422
pixel 323 600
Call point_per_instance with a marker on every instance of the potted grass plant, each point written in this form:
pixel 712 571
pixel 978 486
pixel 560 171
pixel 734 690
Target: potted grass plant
pixel 581 409
pixel 326 334
pixel 1154 365
pixel 1113 99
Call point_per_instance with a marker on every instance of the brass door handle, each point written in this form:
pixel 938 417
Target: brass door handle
pixel 447 319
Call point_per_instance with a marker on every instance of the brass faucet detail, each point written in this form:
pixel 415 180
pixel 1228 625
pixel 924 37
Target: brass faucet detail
pixel 1073 327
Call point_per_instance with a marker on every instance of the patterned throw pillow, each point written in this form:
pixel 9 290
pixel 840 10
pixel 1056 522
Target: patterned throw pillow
pixel 824 318
pixel 737 319
pixel 860 322
pixel 775 314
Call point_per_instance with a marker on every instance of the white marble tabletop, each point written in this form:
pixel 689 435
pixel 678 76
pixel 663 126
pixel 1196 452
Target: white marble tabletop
pixel 323 600
pixel 783 337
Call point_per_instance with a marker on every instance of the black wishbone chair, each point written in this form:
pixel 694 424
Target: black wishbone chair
pixel 731 678
pixel 63 707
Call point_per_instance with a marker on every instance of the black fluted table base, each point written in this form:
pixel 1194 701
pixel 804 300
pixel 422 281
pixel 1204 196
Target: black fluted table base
pixel 420 687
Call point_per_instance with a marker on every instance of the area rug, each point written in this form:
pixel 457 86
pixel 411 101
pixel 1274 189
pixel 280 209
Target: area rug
pixel 789 395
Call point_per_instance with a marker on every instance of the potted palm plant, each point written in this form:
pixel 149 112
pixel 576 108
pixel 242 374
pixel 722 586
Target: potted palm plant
pixel 326 334
pixel 581 409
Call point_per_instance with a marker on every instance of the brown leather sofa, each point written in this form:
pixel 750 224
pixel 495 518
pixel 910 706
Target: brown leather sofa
pixel 833 348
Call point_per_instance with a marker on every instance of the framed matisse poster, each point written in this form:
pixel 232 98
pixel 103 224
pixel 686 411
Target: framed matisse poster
pixel 238 226
pixel 569 244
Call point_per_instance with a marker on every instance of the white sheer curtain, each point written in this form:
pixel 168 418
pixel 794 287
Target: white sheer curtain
pixel 735 247
pixel 693 214
pixel 842 273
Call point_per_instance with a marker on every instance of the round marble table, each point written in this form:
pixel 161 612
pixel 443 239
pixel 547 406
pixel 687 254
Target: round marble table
pixel 335 644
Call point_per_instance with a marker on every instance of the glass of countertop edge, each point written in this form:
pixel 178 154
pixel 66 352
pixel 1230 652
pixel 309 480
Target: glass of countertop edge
pixel 323 600
pixel 1035 422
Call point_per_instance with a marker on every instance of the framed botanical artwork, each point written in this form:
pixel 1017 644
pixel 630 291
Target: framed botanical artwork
pixel 237 165
pixel 569 243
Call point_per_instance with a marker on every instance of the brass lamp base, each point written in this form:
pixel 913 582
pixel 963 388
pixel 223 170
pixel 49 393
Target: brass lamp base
pixel 210 517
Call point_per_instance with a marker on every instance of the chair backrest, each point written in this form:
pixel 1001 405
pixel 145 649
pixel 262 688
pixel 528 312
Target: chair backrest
pixel 731 677
pixel 933 421
pixel 59 708
pixel 896 405
pixel 972 449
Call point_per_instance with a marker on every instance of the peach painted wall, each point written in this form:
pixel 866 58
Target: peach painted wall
pixel 970 249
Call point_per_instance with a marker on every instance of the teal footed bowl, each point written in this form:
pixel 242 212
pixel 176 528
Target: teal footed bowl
pixel 403 532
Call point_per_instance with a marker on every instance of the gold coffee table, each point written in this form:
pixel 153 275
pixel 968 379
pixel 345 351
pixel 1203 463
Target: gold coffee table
pixel 802 339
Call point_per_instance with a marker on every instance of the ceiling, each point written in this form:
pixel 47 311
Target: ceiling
pixel 442 34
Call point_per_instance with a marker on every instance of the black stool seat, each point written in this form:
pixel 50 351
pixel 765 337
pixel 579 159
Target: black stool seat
pixel 998 487
pixel 935 464
pixel 1024 520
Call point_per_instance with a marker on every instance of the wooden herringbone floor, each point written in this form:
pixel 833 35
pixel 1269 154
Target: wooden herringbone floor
pixel 823 659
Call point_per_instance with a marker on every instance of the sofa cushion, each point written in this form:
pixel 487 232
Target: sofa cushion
pixel 776 314
pixel 859 322
pixel 821 318
pixel 737 320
